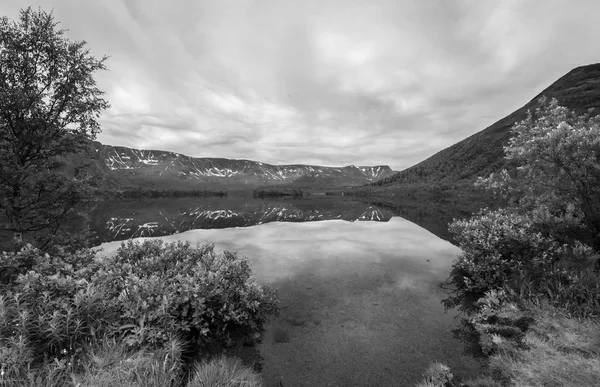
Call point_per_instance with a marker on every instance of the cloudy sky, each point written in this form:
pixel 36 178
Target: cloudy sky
pixel 323 82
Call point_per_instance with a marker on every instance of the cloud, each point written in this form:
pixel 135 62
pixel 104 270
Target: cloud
pixel 323 82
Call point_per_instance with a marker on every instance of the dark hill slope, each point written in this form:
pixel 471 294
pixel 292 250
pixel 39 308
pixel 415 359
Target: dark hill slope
pixel 482 153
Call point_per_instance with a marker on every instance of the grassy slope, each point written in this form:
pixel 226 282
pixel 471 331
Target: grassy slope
pixel 482 153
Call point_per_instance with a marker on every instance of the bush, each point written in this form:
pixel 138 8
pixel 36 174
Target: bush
pixel 545 245
pixel 495 246
pixel 164 288
pixel 143 295
pixel 55 308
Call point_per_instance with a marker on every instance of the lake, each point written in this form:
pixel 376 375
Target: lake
pixel 359 287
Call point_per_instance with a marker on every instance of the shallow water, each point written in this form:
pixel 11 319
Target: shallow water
pixel 361 300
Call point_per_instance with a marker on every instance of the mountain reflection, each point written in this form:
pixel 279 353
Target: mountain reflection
pixel 121 220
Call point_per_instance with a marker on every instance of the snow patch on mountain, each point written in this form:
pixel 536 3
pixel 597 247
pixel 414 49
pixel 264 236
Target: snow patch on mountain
pixel 152 164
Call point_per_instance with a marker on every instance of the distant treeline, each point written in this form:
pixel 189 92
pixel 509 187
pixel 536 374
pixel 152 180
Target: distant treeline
pixel 270 193
pixel 163 193
pixel 457 192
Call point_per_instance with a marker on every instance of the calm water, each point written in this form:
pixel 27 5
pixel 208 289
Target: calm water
pixel 361 299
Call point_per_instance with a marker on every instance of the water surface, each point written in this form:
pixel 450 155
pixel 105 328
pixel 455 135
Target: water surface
pixel 361 300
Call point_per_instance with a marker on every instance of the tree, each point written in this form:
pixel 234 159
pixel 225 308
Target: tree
pixel 557 154
pixel 548 238
pixel 49 103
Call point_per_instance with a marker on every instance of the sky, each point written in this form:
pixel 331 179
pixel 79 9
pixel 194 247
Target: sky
pixel 340 82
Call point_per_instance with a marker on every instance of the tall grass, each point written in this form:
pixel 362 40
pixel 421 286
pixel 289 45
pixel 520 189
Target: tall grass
pixel 555 350
pixel 224 372
pixel 562 351
pixel 116 365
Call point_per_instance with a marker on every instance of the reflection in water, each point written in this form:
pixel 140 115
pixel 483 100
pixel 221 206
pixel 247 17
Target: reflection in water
pixel 360 300
pixel 432 216
pixel 122 220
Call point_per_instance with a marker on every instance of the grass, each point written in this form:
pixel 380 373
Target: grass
pixel 556 351
pixel 563 351
pixel 224 372
pixel 113 364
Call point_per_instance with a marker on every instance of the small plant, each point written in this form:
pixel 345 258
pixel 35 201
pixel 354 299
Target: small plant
pixel 115 364
pixel 224 371
pixel 437 375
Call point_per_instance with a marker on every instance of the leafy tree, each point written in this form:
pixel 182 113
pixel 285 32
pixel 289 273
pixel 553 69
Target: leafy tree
pixel 557 153
pixel 49 103
pixel 548 238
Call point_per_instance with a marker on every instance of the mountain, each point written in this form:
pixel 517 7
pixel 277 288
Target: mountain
pixel 482 153
pixel 340 177
pixel 128 168
pixel 121 220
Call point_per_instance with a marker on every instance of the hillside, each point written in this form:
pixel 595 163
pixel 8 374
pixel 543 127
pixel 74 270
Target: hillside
pixel 482 153
pixel 127 168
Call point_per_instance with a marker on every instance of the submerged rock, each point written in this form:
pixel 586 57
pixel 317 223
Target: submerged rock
pixel 281 336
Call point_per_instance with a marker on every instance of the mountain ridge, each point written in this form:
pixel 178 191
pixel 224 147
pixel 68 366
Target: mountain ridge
pixel 482 153
pixel 130 168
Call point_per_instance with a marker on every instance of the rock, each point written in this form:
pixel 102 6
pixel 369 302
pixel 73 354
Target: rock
pixel 251 341
pixel 295 319
pixel 281 336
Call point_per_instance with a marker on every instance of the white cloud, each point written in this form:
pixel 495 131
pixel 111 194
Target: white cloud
pixel 324 82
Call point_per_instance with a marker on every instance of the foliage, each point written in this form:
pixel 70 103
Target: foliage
pixel 545 243
pixel 49 104
pixel 143 296
pixel 495 246
pixel 558 178
pixel 55 309
pixel 175 287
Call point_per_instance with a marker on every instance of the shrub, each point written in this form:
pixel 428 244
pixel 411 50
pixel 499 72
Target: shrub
pixel 545 244
pixel 55 308
pixel 163 288
pixel 143 295
pixel 495 246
